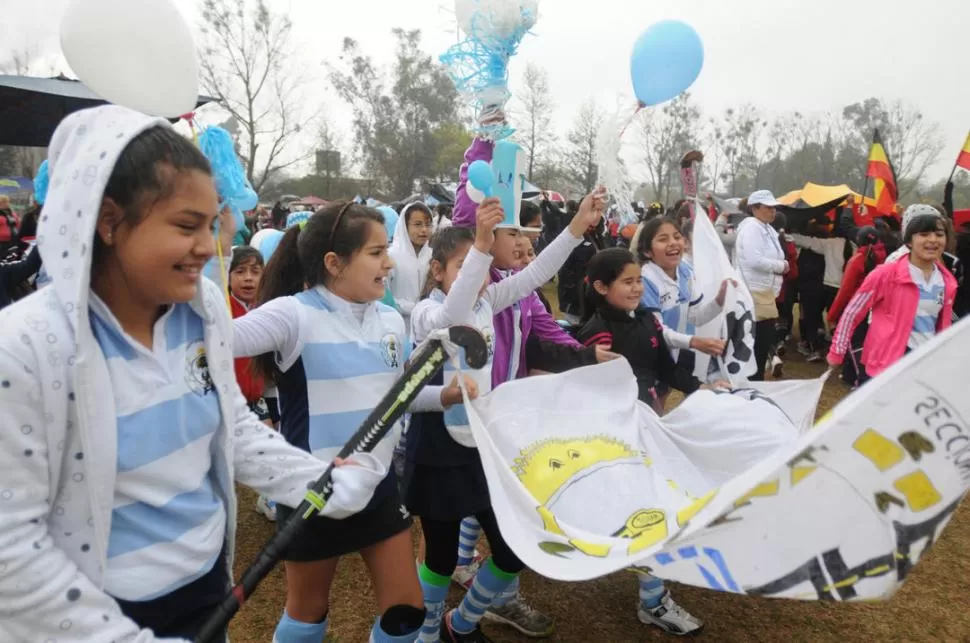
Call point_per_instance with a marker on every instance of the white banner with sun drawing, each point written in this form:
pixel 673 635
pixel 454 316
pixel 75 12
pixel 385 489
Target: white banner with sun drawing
pixel 732 491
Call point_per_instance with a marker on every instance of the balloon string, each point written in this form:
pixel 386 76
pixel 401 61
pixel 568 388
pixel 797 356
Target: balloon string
pixel 629 121
pixel 222 268
pixel 190 119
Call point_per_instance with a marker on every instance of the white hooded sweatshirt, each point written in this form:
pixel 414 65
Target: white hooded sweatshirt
pixel 58 421
pixel 410 268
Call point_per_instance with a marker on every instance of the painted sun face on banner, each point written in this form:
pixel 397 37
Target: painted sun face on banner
pixel 553 469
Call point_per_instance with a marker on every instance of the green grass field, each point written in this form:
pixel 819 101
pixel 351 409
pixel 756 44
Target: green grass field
pixel 932 606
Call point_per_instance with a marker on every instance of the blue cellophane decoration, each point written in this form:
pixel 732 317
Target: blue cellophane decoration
pixel 231 183
pixel 479 65
pixel 298 218
pixel 41 183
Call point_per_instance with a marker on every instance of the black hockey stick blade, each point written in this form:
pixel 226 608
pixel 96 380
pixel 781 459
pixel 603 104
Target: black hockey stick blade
pixel 425 362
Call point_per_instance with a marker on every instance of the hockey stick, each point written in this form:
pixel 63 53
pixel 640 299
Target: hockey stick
pixel 423 365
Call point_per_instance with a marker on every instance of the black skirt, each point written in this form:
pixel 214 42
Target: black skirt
pixel 445 493
pixel 322 538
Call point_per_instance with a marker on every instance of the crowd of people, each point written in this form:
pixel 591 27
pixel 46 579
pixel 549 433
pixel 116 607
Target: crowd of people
pixel 126 424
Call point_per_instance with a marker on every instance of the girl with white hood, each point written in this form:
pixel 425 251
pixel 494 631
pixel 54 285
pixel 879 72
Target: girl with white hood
pixel 123 427
pixel 411 251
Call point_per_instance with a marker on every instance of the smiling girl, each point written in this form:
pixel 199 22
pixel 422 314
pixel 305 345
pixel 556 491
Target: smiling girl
pixel 123 426
pixel 613 316
pixel 334 351
pixel 670 292
pixel 911 300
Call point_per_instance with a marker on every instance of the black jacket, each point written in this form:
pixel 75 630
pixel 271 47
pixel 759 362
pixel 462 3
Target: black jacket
pixel 16 268
pixel 572 275
pixel 640 340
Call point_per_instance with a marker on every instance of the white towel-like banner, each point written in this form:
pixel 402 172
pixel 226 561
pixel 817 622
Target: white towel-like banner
pixel 732 491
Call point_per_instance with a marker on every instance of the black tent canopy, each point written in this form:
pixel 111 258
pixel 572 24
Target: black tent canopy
pixel 31 108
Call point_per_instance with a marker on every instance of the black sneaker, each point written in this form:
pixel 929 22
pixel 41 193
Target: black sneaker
pixel 449 635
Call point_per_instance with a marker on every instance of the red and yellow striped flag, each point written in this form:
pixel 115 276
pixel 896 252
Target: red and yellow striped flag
pixel 964 159
pixel 884 177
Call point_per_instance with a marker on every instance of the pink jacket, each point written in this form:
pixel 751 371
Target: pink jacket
pixel 892 296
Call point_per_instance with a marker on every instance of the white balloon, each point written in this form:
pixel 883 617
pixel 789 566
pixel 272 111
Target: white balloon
pixel 135 53
pixel 495 18
pixel 477 196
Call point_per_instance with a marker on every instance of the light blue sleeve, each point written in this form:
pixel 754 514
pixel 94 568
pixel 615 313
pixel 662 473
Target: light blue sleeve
pixel 651 295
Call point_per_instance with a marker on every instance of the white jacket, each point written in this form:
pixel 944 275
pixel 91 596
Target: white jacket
pixel 410 268
pixel 833 249
pixel 758 256
pixel 58 432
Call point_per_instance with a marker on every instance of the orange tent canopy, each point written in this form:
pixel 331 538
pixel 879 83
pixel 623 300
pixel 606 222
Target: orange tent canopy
pixel 815 195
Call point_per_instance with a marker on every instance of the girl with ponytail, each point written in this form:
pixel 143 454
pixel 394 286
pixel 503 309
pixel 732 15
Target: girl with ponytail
pixel 334 351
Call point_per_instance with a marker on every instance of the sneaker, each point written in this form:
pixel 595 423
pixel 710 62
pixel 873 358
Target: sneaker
pixel 804 348
pixel 266 507
pixel 523 617
pixel 465 574
pixel 814 357
pixel 670 617
pixel 448 635
pixel 777 368
pixel 781 350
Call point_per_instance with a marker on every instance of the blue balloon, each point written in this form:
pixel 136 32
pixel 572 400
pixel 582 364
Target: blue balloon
pixel 480 175
pixel 667 58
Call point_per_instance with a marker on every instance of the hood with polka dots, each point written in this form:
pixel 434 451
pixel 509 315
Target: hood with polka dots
pixel 82 155
pixel 59 425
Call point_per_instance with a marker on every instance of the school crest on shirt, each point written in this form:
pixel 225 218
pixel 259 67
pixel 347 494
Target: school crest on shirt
pixel 489 336
pixel 391 350
pixel 197 375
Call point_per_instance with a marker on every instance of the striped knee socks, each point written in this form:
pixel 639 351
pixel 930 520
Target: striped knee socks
pixel 435 589
pixel 468 537
pixel 651 590
pixel 489 582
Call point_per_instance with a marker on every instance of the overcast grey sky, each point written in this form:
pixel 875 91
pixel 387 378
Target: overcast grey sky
pixel 810 55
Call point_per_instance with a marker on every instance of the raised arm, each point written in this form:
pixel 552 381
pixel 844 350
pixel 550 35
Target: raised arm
pixel 463 215
pixel 428 316
pixel 504 293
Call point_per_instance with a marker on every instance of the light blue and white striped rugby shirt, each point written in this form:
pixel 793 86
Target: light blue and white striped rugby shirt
pixel 168 524
pixel 348 365
pixel 931 292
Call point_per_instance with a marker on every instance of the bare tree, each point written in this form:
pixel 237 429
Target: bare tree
pixel 714 159
pixel 916 144
pixel 579 157
pixel 746 147
pixel 537 106
pixel 667 135
pixel 912 142
pixel 245 64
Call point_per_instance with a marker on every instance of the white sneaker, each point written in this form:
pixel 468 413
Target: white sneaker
pixel 464 575
pixel 266 507
pixel 670 617
pixel 777 368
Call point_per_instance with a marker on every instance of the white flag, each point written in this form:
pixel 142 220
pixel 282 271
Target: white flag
pixel 736 324
pixel 730 491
